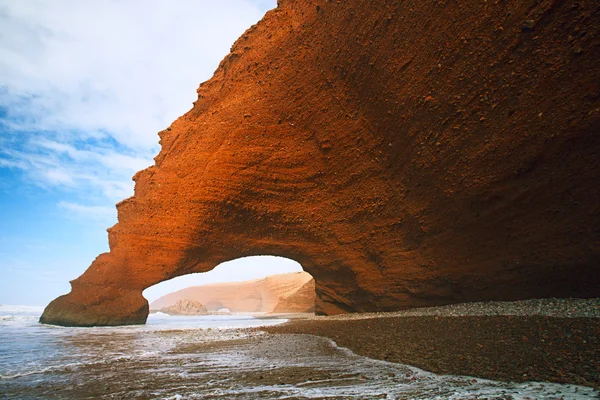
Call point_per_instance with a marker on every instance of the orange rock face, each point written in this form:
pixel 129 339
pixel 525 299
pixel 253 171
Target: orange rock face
pixel 294 292
pixel 407 154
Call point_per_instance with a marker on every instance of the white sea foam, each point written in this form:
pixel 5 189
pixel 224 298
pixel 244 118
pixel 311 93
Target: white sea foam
pixel 467 387
pixel 41 370
pixel 348 375
pixel 11 315
pixel 159 314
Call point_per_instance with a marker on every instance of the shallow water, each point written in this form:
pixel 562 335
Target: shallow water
pixel 211 357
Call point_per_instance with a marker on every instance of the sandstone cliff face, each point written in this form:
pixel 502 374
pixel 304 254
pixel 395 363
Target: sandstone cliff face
pixel 299 301
pixel 185 307
pixel 260 295
pixel 405 153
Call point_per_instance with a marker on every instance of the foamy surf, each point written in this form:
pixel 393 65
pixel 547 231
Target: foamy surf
pixel 216 357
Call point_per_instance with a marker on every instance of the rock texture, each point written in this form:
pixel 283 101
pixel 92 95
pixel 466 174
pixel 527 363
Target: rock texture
pixel 406 153
pixel 294 292
pixel 299 301
pixel 185 307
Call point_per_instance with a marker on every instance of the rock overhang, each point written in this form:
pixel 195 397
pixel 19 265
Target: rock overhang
pixel 406 156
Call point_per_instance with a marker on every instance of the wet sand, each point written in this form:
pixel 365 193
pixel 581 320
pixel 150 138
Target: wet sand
pixel 233 358
pixel 514 348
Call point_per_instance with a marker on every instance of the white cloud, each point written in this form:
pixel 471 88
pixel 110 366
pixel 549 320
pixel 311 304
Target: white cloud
pixel 99 172
pixel 57 177
pixel 125 69
pixel 85 86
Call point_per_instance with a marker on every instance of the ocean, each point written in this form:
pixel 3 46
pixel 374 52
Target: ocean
pixel 217 357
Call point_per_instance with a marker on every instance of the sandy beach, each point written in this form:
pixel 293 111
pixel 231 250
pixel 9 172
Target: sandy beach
pixel 232 357
pixel 553 340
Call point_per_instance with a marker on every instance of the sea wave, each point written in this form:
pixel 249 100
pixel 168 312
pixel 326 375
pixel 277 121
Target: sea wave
pixel 14 315
pixel 159 314
pixel 17 309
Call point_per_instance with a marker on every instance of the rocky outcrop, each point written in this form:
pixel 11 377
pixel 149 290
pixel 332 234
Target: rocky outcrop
pixel 260 295
pixel 185 307
pixel 407 154
pixel 299 301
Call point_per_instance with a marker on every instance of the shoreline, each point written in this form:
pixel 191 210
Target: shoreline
pixel 555 344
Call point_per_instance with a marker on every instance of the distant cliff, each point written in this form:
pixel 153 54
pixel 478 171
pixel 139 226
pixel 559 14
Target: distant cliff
pixel 300 301
pixel 185 307
pixel 294 292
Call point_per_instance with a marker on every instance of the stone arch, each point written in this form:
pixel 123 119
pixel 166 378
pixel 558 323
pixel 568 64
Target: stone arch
pixel 110 292
pixel 399 173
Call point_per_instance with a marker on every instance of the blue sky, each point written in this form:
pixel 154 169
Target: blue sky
pixel 84 89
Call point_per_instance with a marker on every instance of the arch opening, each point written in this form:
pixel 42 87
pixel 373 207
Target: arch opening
pixel 249 285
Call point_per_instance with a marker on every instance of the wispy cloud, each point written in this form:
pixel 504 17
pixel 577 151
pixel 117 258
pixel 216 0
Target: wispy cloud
pixel 97 171
pixel 123 69
pixel 86 86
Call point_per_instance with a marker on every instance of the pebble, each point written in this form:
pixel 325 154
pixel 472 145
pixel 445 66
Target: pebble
pixel 553 307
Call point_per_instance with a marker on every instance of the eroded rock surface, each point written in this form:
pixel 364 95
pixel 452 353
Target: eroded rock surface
pixel 407 154
pixel 185 307
pixel 300 301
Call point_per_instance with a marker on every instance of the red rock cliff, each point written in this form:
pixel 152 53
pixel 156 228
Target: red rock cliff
pixel 405 153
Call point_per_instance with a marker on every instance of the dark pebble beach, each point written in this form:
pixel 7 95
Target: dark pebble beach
pixel 558 342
